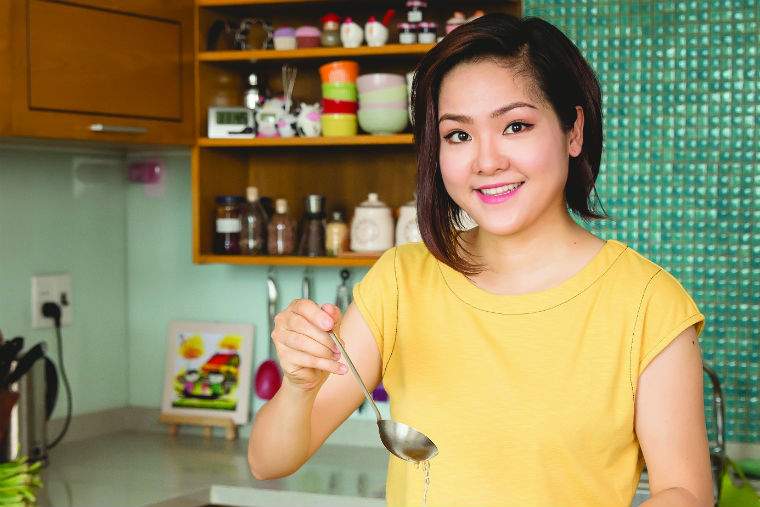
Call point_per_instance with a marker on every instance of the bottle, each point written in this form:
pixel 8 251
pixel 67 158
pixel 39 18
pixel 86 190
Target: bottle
pixel 336 235
pixel 228 225
pixel 313 227
pixel 253 233
pixel 281 239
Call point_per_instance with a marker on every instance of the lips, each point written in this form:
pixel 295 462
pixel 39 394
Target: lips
pixel 499 193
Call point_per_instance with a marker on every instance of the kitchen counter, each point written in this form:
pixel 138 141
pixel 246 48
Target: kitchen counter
pixel 131 469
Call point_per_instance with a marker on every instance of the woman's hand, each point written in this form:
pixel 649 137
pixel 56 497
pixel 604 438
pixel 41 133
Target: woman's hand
pixel 307 353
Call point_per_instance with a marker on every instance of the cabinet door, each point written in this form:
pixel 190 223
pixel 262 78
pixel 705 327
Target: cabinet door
pixel 116 71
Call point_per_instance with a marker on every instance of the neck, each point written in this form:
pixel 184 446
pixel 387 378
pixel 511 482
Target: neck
pixel 538 248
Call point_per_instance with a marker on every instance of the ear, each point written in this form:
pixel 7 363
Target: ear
pixel 575 139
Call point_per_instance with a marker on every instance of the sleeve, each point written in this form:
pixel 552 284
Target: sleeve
pixel 667 310
pixel 376 297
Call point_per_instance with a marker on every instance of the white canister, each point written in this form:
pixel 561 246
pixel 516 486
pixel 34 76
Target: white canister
pixel 407 229
pixel 372 226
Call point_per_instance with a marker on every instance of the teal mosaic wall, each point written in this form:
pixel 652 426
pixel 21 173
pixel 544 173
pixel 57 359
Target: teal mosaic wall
pixel 680 174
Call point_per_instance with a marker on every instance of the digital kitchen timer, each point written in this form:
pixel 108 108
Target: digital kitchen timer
pixel 230 122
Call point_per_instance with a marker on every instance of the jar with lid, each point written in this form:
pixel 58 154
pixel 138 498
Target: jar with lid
pixel 427 32
pixel 281 237
pixel 372 229
pixel 415 10
pixel 336 235
pixel 407 33
pixel 312 242
pixel 253 218
pixel 227 230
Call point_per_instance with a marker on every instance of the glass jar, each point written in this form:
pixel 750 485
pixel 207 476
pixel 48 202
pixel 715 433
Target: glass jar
pixel 227 230
pixel 313 227
pixel 253 219
pixel 281 238
pixel 415 10
pixel 427 32
pixel 336 235
pixel 407 33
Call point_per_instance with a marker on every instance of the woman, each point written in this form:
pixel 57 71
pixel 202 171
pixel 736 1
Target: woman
pixel 545 363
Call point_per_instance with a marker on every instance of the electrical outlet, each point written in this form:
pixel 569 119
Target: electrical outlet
pixel 55 288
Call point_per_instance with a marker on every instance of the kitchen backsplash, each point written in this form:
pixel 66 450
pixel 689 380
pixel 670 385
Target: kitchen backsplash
pixel 64 210
pixel 680 170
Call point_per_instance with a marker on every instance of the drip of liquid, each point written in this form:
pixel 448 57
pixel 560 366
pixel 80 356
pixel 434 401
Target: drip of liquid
pixel 426 471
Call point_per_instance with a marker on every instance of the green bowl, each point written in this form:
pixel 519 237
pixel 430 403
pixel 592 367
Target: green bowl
pixel 338 125
pixel 339 91
pixel 383 121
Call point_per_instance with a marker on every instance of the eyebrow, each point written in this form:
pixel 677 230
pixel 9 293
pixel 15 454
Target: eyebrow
pixel 461 118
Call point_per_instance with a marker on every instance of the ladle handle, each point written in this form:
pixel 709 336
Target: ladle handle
pixel 356 375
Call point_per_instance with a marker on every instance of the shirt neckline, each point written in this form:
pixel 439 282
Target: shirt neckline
pixel 532 302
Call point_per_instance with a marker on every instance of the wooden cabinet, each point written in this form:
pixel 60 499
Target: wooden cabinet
pixel 344 170
pixel 117 71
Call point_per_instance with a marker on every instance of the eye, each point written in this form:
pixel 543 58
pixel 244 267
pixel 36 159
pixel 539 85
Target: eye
pixel 516 127
pixel 457 137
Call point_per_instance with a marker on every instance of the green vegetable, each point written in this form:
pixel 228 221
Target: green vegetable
pixel 19 481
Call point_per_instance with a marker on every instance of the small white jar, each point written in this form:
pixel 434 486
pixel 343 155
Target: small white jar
pixel 372 228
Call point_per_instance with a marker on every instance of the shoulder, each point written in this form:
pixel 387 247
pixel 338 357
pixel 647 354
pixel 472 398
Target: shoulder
pixel 414 257
pixel 636 270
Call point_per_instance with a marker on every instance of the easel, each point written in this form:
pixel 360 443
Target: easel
pixel 208 423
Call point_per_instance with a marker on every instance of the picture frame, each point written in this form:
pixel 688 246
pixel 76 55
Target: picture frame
pixel 208 371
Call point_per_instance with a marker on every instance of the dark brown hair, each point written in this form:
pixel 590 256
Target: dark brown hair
pixel 561 75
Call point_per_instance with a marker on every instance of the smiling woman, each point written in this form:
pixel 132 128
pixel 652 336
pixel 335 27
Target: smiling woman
pixel 544 362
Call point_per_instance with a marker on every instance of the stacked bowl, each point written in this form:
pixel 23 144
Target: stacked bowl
pixel 382 103
pixel 339 98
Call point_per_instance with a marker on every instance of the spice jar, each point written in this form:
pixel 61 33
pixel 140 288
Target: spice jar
pixel 415 13
pixel 336 235
pixel 407 33
pixel 253 221
pixel 227 235
pixel 313 227
pixel 281 238
pixel 427 32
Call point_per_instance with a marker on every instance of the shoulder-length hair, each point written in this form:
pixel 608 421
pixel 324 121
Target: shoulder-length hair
pixel 541 51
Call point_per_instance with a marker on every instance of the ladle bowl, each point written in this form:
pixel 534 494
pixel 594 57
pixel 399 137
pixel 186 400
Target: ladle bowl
pixel 400 439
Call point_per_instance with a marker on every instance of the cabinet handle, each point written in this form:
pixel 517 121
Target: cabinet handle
pixel 99 127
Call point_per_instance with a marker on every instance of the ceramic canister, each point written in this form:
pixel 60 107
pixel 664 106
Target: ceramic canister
pixel 407 229
pixel 372 226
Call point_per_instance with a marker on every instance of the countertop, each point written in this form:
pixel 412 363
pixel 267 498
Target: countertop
pixel 132 469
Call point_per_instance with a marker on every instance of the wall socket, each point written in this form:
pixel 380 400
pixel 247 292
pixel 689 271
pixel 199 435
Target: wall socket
pixel 55 288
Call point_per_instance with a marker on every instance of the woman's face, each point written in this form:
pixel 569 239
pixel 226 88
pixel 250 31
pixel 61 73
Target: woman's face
pixel 494 133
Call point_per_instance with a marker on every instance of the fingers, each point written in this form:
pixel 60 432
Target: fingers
pixel 313 313
pixel 305 343
pixel 298 359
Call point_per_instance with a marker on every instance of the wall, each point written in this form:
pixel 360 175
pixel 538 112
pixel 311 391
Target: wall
pixel 63 210
pixel 165 285
pixel 680 171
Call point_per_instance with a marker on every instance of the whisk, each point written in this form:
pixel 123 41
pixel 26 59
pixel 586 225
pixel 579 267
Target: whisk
pixel 289 73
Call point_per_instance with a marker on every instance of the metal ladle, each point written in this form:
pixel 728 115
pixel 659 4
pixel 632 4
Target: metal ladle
pixel 403 441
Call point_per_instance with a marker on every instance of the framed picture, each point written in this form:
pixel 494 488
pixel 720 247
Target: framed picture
pixel 208 370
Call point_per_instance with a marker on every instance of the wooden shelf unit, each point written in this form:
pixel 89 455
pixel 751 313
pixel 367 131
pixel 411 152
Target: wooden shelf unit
pixel 300 54
pixel 267 260
pixel 343 169
pixel 360 140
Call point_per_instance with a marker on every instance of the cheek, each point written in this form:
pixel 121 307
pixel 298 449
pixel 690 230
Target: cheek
pixel 455 163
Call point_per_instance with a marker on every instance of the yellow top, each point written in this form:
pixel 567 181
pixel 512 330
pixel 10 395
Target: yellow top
pixel 529 398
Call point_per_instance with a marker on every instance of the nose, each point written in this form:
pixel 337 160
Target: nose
pixel 490 160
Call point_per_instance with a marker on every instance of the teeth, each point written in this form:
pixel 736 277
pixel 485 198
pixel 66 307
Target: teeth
pixel 500 190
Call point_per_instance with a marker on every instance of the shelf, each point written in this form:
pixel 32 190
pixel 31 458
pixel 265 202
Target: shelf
pixel 232 3
pixel 362 140
pixel 306 53
pixel 266 260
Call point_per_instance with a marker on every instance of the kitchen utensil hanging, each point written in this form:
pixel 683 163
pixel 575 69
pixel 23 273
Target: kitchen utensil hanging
pixel 268 376
pixel 343 294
